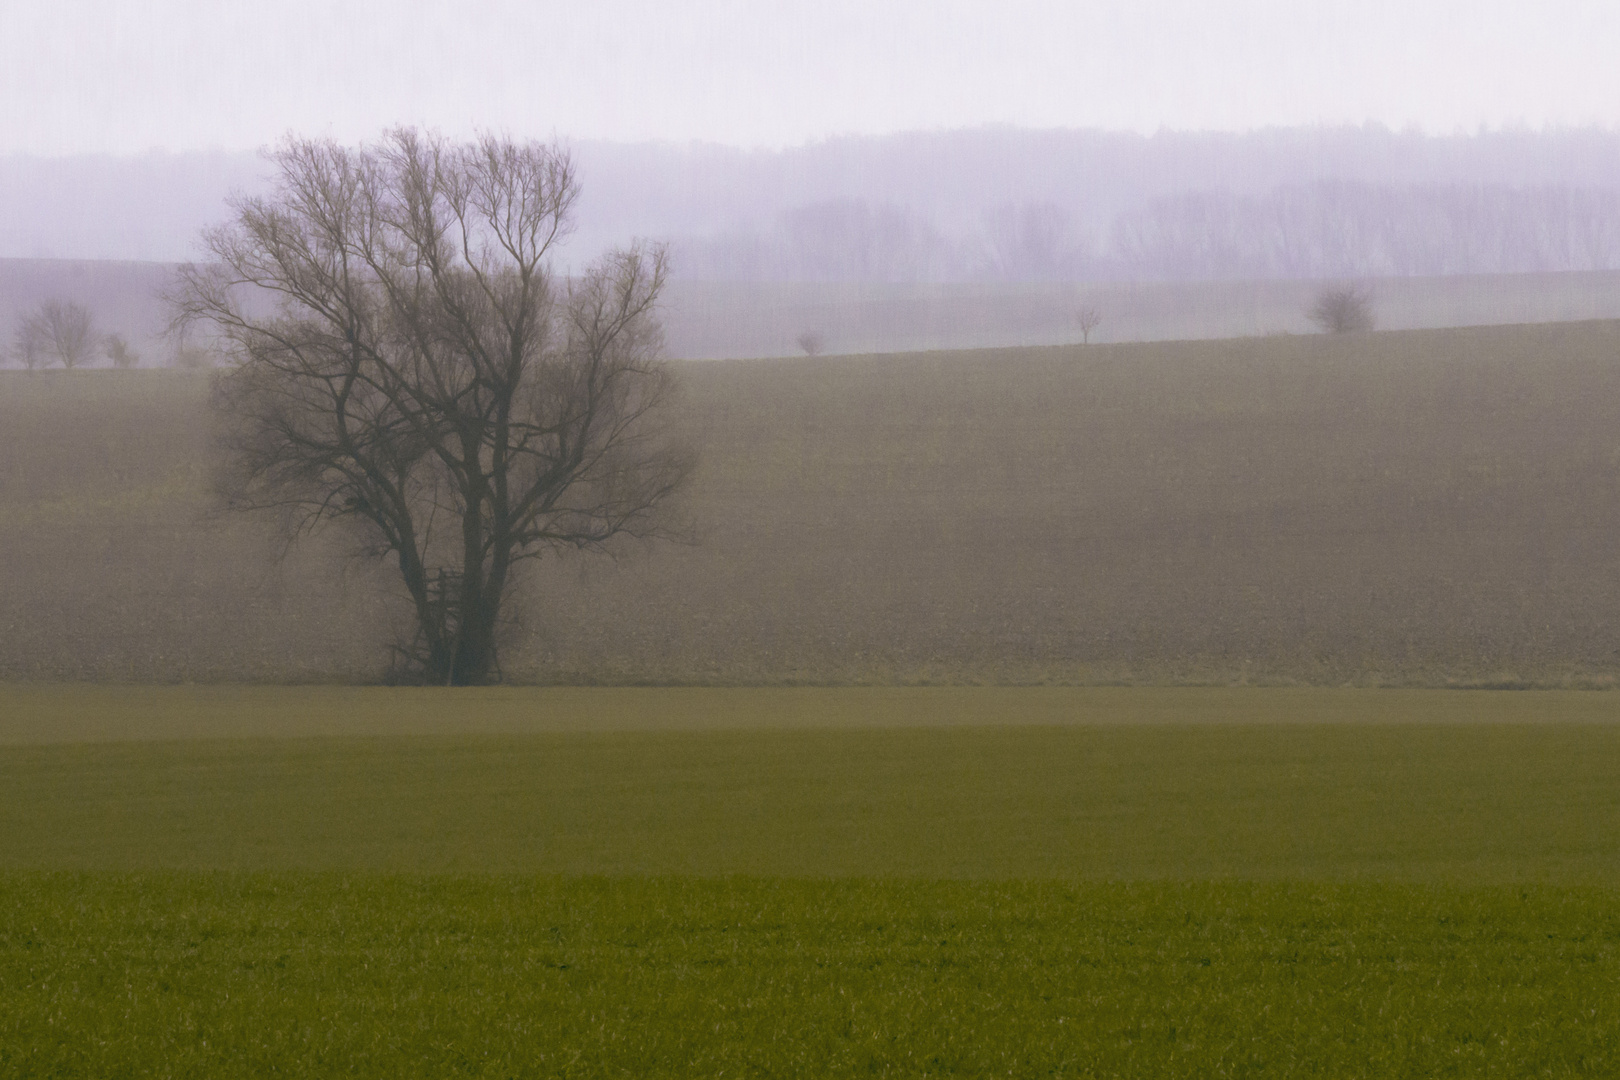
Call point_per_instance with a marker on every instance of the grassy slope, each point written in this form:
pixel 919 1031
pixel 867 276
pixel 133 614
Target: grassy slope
pixel 728 319
pixel 1408 507
pixel 708 319
pixel 43 714
pixel 1467 804
pixel 1261 795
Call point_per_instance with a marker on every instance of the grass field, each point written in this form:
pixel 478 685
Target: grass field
pixel 1048 783
pixel 808 882
pixel 326 975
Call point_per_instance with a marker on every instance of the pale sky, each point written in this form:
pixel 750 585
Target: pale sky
pixel 123 76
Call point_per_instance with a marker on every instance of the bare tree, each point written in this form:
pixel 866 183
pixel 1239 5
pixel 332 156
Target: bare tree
pixel 31 347
pixel 1342 309
pixel 118 351
pixel 57 330
pixel 1032 242
pixel 811 342
pixel 428 377
pixel 1087 318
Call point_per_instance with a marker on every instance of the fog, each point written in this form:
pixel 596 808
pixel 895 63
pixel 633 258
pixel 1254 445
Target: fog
pixel 105 77
pixel 984 204
pixel 965 239
pixel 907 177
pixel 809 538
pixel 901 142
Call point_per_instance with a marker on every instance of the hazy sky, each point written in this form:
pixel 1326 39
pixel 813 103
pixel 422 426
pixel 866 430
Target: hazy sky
pixel 129 75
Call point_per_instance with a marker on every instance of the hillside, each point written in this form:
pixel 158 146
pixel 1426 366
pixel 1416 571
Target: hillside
pixel 1423 506
pixel 706 320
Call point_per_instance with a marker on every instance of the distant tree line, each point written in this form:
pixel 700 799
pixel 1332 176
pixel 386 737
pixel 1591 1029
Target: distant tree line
pixel 63 333
pixel 1338 229
pixel 834 240
pixel 150 206
pixel 1327 229
pixel 855 240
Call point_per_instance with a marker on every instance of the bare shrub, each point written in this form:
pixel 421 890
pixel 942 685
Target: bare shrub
pixel 117 348
pixel 1342 309
pixel 811 342
pixel 30 345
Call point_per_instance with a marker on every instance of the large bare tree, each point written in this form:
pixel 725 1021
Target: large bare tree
pixel 424 372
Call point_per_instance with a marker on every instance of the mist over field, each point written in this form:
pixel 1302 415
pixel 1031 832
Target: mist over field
pixel 995 236
pixel 1422 507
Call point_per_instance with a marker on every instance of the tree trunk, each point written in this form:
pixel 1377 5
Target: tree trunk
pixel 474 660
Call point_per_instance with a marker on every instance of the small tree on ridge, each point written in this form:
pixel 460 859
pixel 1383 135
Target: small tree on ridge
pixel 1087 319
pixel 1342 309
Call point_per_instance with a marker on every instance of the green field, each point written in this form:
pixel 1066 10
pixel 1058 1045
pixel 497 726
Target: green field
pixel 925 782
pixel 204 881
pixel 396 976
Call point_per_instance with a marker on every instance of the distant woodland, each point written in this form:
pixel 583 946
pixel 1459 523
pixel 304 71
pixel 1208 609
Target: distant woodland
pixel 992 204
pixel 1326 229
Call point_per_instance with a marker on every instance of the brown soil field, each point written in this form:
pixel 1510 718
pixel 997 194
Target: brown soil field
pixel 1432 507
